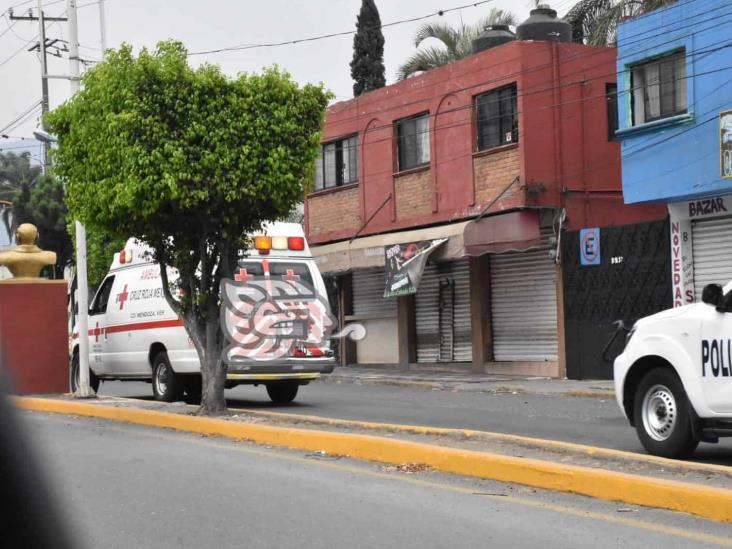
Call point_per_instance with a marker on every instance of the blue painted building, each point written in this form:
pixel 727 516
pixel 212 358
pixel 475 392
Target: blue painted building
pixel 675 125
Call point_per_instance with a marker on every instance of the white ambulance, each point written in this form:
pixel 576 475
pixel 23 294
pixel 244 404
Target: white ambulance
pixel 135 335
pixel 673 380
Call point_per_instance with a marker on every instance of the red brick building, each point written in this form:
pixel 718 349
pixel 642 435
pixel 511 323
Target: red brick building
pixel 498 153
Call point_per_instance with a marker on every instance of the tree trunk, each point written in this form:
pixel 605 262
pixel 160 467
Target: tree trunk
pixel 213 370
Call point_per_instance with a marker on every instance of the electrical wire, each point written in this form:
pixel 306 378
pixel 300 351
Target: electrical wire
pixel 343 33
pixel 471 105
pixel 28 43
pixel 16 125
pixel 567 177
pixel 22 115
pixel 586 56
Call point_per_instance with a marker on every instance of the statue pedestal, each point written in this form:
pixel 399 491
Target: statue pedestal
pixel 34 343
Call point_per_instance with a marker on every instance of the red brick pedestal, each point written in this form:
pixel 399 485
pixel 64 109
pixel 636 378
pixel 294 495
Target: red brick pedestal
pixel 34 345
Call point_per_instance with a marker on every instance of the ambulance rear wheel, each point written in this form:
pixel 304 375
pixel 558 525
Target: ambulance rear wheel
pixel 282 393
pixel 167 385
pixel 75 373
pixel 662 415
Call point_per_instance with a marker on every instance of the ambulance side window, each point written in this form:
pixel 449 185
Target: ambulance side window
pixel 99 306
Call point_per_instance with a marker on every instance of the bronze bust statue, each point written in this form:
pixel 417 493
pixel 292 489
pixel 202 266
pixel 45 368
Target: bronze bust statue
pixel 27 260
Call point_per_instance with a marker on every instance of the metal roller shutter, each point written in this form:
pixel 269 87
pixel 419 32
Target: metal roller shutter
pixel 368 293
pixel 442 313
pixel 524 306
pixel 711 242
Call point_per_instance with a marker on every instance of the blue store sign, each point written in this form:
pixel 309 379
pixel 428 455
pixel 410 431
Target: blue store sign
pixel 590 246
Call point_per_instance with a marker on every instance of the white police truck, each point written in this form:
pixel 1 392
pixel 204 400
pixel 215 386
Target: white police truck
pixel 673 380
pixel 134 335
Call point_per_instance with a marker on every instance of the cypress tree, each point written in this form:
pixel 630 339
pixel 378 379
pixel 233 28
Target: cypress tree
pixel 367 66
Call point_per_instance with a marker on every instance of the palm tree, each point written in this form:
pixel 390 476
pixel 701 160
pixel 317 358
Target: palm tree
pixel 457 42
pixel 595 22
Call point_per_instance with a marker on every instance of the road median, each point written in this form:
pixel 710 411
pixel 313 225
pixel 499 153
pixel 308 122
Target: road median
pixel 698 499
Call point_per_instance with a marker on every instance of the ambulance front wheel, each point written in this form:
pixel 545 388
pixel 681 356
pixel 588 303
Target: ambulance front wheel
pixel 167 385
pixel 662 415
pixel 283 392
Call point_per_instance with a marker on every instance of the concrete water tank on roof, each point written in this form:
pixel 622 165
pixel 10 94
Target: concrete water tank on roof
pixel 492 36
pixel 543 24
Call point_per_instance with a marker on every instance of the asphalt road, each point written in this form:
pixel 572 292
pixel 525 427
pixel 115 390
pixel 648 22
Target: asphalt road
pixel 592 421
pixel 128 486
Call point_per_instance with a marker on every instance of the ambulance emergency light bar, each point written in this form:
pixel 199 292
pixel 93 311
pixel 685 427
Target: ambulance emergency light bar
pixel 263 244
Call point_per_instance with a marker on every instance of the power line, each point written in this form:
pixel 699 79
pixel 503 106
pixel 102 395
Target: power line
pixel 21 115
pixel 15 125
pixel 334 34
pixel 588 169
pixel 585 54
pixel 471 104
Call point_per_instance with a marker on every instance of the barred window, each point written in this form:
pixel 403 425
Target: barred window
pixel 659 88
pixel 497 118
pixel 413 141
pixel 337 164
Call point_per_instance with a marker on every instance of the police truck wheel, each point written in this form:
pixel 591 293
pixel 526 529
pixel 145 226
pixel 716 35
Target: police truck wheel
pixel 75 373
pixel 282 393
pixel 193 386
pixel 661 415
pixel 167 385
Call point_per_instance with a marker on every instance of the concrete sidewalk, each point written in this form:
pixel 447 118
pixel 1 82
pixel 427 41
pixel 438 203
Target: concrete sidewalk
pixel 452 380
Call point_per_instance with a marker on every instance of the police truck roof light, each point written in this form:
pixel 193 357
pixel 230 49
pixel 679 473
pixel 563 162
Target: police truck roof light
pixel 296 243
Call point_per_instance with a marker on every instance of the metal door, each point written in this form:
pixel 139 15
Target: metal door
pixel 442 313
pixel 524 306
pixel 711 242
pixel 368 293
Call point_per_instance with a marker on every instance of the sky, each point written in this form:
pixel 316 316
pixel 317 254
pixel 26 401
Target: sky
pixel 220 23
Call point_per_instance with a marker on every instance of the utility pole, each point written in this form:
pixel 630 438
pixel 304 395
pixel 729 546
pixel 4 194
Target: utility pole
pixel 84 391
pixel 44 68
pixel 102 29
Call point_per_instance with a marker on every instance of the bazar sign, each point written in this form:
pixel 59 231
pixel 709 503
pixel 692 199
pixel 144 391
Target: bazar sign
pixel 702 208
pixel 404 265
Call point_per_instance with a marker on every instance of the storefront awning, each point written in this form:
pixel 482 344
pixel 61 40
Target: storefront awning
pixel 512 231
pixel 368 251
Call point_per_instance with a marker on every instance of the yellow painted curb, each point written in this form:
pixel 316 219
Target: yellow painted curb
pixel 703 501
pixel 541 443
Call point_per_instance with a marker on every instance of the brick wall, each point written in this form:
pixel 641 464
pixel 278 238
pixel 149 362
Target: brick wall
pixel 334 212
pixel 493 172
pixel 413 194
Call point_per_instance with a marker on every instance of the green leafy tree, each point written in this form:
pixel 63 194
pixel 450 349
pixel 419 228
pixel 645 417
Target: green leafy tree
pixel 367 66
pixel 595 22
pixel 100 249
pixel 189 161
pixel 457 42
pixel 16 170
pixel 43 205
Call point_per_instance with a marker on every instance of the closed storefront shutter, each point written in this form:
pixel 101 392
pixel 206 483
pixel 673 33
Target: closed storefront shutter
pixel 524 306
pixel 368 293
pixel 442 313
pixel 711 244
